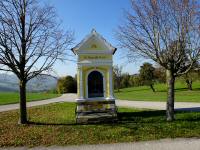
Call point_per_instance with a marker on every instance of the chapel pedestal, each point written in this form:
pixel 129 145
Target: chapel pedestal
pixel 96 111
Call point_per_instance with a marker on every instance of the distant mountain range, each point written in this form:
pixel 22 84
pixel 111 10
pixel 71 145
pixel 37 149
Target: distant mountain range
pixel 42 83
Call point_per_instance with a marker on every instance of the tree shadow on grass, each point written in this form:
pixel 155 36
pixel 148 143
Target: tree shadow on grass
pixel 132 90
pixel 136 90
pixel 154 122
pixel 192 109
pixel 133 119
pixel 195 89
pixel 176 90
pixel 70 124
pixel 180 90
pixel 157 116
pixel 51 124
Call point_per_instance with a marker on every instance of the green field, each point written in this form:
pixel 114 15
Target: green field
pixel 144 93
pixel 54 124
pixel 13 97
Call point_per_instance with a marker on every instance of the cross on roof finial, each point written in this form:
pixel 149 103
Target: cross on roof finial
pixel 93 30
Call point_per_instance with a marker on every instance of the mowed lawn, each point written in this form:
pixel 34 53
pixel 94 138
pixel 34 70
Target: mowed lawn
pixel 13 97
pixel 144 93
pixel 54 124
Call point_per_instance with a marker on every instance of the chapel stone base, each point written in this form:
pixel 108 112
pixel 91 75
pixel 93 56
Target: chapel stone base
pixel 96 112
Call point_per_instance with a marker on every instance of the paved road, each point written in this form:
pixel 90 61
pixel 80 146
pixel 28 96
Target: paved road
pixel 166 144
pixel 63 98
pixel 158 105
pixel 125 103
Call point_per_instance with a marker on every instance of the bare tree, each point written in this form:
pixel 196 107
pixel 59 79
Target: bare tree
pixel 31 40
pixel 118 76
pixel 166 31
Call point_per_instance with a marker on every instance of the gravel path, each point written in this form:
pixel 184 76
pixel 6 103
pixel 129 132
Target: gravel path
pixel 166 144
pixel 124 103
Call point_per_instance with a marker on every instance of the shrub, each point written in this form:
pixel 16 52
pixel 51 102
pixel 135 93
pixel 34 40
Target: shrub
pixel 66 84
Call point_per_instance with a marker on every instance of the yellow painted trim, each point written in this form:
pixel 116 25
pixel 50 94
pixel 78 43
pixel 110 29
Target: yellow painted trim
pixel 103 69
pixel 94 57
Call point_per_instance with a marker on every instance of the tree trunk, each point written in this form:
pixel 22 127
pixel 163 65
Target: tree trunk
pixel 170 95
pixel 118 89
pixel 118 85
pixel 189 84
pixel 22 85
pixel 151 86
pixel 23 112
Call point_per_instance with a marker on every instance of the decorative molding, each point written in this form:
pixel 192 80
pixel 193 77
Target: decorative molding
pixel 94 52
pixel 95 62
pixel 85 54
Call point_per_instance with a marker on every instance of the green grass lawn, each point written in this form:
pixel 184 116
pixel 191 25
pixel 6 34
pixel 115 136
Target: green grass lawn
pixel 54 124
pixel 13 97
pixel 144 93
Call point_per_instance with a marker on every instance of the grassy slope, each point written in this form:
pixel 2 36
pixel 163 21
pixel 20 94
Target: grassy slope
pixel 13 97
pixel 145 93
pixel 54 124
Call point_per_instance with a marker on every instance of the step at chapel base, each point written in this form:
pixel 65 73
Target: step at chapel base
pixel 95 102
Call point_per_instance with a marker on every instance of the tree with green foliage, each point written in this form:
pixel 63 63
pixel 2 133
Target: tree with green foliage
pixel 67 84
pixel 117 74
pixel 125 82
pixel 147 75
pixel 160 74
pixel 191 76
pixel 135 80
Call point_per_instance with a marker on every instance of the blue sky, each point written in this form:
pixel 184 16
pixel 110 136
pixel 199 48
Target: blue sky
pixel 83 15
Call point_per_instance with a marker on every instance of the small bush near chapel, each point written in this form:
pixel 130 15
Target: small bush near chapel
pixel 66 85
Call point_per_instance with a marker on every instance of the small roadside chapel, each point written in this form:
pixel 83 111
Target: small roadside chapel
pixel 95 101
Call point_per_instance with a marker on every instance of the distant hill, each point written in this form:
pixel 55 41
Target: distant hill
pixel 42 83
